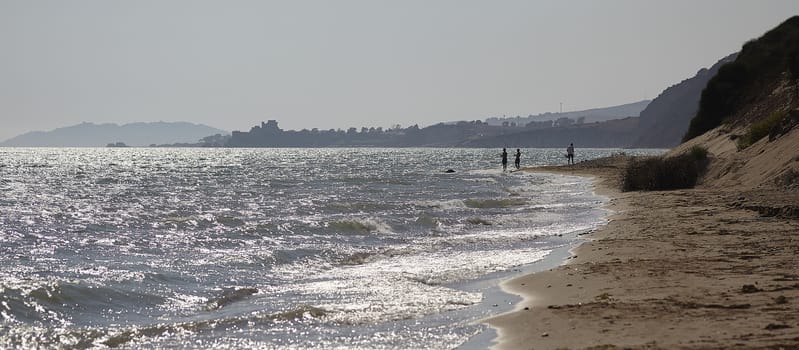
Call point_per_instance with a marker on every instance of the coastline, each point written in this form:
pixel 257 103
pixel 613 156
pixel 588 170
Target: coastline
pixel 688 268
pixel 498 300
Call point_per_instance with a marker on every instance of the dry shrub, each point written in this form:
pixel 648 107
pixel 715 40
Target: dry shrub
pixel 665 173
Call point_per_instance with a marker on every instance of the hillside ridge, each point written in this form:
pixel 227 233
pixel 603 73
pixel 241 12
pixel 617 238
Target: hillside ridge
pixel 99 135
pixel 751 110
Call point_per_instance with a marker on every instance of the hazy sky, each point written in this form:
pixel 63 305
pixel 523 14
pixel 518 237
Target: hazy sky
pixel 329 64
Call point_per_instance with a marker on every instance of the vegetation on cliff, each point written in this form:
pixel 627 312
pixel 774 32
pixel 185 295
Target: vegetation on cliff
pixel 760 129
pixel 760 63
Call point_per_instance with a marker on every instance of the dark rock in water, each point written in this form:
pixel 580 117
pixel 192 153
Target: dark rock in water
pixel 774 326
pixel 449 171
pixel 781 300
pixel 357 259
pixel 749 288
pixel 230 296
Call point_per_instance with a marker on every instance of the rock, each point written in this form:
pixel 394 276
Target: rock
pixel 774 326
pixel 750 288
pixel 781 300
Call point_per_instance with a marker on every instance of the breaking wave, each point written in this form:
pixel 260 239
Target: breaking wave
pixel 360 226
pixel 495 203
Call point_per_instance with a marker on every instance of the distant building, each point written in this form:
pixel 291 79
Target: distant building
pixel 268 133
pixel 270 125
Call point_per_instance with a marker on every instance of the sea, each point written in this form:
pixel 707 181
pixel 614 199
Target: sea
pixel 215 248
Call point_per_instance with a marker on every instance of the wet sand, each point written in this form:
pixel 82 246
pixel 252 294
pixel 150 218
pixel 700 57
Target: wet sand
pixel 703 268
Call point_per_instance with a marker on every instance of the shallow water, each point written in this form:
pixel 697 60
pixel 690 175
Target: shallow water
pixel 269 248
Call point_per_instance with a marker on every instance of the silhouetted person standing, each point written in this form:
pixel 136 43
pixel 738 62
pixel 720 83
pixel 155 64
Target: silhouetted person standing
pixel 518 158
pixel 570 153
pixel 504 159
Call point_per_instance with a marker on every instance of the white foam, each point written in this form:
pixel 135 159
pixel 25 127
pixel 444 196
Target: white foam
pixel 443 204
pixel 410 286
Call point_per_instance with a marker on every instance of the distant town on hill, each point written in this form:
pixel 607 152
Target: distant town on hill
pixel 660 123
pixel 595 127
pixel 475 133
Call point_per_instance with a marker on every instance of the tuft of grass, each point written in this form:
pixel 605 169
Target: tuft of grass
pixel 665 173
pixel 789 178
pixel 698 152
pixel 760 129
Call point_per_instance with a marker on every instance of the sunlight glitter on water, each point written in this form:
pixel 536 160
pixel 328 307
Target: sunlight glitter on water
pixel 267 248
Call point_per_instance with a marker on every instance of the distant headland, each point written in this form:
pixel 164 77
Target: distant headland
pixel 132 134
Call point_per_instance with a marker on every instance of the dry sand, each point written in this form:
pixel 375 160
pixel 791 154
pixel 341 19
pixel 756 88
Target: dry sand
pixel 697 268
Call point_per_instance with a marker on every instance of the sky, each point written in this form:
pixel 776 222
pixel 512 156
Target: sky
pixel 351 63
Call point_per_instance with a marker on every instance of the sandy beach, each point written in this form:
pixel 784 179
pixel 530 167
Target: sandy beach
pixel 714 267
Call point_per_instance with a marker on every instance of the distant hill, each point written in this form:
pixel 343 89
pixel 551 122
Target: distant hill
pixel 664 121
pixel 611 133
pixel 100 135
pixel 588 115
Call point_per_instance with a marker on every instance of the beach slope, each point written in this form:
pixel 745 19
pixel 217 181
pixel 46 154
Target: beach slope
pixel 713 267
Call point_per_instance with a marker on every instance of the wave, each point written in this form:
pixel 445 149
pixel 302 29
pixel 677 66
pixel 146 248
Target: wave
pixel 103 337
pixel 55 302
pixel 478 221
pixel 357 207
pixel 360 226
pixel 494 203
pixel 350 226
pixel 443 204
pixel 202 221
pixel 357 258
pixel 428 221
pixel 230 221
pixel 376 179
pixel 118 337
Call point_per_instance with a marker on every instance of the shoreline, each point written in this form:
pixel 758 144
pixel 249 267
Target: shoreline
pixel 498 300
pixel 688 268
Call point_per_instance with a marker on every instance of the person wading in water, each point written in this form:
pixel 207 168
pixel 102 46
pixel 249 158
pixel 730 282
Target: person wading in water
pixel 570 153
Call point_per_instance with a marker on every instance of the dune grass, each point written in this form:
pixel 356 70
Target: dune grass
pixel 760 129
